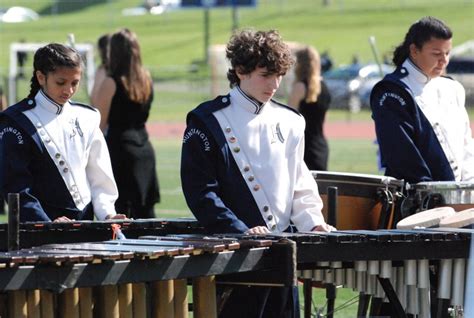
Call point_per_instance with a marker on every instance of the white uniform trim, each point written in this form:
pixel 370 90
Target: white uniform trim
pixel 263 142
pixel 442 102
pixel 75 143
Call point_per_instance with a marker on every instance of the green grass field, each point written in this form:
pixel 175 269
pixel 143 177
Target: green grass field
pixel 177 37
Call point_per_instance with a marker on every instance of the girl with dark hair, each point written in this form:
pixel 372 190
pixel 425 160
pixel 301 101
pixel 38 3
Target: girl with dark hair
pixel 311 97
pixel 52 151
pixel 420 118
pixel 124 102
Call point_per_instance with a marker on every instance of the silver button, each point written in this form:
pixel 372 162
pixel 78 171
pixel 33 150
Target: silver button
pixel 47 140
pixel 232 139
pixel 266 208
pixel 256 187
pixel 236 149
pixel 403 71
pixel 274 227
pixel 224 99
pixel 75 195
pixel 42 132
pixel 38 124
pixel 270 217
pixel 61 162
pixel 30 102
pixel 65 170
pixel 228 130
pixel 246 169
pixel 57 155
pixel 251 178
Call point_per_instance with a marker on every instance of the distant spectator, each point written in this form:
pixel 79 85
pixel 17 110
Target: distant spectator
pixel 125 99
pixel 326 62
pixel 311 97
pixel 3 105
pixel 355 59
pixel 21 57
pixel 101 72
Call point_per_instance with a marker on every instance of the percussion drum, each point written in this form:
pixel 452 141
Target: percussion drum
pixel 364 201
pixel 458 195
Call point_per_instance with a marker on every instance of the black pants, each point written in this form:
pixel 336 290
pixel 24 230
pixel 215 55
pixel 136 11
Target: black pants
pixel 260 302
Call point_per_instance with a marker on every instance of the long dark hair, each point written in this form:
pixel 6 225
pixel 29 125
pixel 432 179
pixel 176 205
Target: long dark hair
pixel 49 58
pixel 419 33
pixel 125 64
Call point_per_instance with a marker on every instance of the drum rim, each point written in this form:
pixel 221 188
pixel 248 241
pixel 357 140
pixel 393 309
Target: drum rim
pixel 359 178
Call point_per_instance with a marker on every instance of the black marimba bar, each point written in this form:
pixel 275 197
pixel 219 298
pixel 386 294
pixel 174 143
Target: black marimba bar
pixel 39 233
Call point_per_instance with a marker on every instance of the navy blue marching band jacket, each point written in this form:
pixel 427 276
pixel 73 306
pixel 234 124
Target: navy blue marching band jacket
pixel 56 158
pixel 422 127
pixel 242 166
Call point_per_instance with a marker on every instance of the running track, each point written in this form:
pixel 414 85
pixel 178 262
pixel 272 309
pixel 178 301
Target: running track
pixel 333 130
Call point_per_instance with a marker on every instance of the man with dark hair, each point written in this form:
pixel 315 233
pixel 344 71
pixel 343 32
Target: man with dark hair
pixel 242 167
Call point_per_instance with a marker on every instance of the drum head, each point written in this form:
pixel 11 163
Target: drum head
pixel 428 218
pixel 460 219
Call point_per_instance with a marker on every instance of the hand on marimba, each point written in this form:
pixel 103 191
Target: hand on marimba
pixel 324 228
pixel 258 230
pixel 63 219
pixel 116 216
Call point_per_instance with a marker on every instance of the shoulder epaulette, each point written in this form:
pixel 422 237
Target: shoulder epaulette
pixel 286 106
pixel 82 105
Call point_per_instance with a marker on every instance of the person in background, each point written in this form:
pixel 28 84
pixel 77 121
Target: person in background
pixel 52 151
pixel 242 168
pixel 310 96
pixel 3 106
pixel 101 72
pixel 420 118
pixel 125 98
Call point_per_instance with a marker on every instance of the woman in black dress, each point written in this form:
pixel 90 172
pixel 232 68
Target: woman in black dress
pixel 310 96
pixel 125 101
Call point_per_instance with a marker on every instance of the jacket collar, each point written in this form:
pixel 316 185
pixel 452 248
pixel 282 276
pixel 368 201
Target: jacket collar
pixel 415 73
pixel 244 101
pixel 48 104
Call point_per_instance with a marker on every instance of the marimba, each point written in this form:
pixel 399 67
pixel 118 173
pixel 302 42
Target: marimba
pixel 392 264
pixel 116 278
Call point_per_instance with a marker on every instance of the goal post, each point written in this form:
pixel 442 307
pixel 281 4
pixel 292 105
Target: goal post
pixel 85 49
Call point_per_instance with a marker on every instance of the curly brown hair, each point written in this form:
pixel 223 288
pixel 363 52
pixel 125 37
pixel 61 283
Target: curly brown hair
pixel 250 49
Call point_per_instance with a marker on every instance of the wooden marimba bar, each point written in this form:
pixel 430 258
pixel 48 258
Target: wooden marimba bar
pixel 116 278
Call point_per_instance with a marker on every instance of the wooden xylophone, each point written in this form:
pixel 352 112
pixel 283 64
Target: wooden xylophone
pixel 39 233
pixel 133 277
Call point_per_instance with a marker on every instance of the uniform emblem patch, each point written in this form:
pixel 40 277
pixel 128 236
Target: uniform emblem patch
pixel 276 134
pixel 194 131
pixel 391 95
pixel 13 131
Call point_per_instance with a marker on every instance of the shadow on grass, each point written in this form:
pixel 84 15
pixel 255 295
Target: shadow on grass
pixel 69 6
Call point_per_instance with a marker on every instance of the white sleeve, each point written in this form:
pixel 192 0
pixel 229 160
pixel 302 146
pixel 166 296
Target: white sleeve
pixel 307 203
pixel 467 172
pixel 101 180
